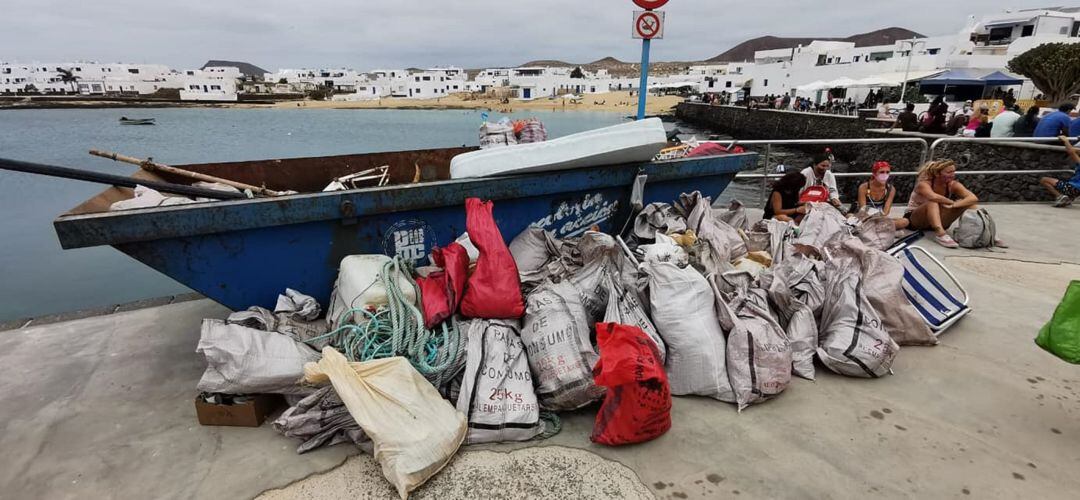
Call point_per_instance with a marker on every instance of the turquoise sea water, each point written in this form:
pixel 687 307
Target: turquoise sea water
pixel 37 277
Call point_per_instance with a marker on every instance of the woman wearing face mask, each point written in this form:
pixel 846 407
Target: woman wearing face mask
pixel 876 195
pixel 938 200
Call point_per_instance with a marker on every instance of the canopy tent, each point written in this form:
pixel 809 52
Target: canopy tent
pixel 973 76
pixel 812 87
pixel 675 85
pixel 841 83
pixel 895 79
pixel 1002 79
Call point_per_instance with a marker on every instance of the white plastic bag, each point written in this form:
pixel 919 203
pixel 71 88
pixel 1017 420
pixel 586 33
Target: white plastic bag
pixel 416 432
pixel 497 390
pixel 684 312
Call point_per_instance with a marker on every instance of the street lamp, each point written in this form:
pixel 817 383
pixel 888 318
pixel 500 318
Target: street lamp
pixel 911 54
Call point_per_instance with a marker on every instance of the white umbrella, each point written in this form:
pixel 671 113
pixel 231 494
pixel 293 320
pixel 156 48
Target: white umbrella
pixel 812 87
pixel 840 83
pixel 875 81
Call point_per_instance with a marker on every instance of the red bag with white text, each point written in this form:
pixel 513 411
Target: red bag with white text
pixel 637 407
pixel 494 289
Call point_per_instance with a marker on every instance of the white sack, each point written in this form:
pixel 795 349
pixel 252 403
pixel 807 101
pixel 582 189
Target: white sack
pixel 497 391
pixel 853 341
pixel 243 360
pixel 624 308
pixel 684 312
pixel 758 352
pixel 561 355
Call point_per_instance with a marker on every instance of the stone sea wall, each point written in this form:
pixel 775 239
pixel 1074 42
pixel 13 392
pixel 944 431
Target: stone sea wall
pixel 741 123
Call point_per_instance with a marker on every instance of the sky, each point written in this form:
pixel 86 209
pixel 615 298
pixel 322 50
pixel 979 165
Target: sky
pixel 369 34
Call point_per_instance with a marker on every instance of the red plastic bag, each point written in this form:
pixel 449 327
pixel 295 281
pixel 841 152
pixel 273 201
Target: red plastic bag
pixel 494 289
pixel 814 194
pixel 441 291
pixel 637 407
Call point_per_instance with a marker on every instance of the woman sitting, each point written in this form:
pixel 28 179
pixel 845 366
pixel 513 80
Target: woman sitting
pixel 938 200
pixel 783 203
pixel 876 195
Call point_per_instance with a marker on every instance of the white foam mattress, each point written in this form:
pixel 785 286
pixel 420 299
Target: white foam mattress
pixel 632 142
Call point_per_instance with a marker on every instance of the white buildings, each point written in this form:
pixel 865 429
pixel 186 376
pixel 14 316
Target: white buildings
pixel 986 45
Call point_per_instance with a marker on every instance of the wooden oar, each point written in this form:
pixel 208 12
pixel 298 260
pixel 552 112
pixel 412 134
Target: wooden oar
pixel 159 167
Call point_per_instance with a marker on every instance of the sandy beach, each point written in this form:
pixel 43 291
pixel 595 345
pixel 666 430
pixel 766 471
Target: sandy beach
pixel 621 102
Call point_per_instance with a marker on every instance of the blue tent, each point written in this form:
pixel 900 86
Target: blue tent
pixel 1001 79
pixel 956 77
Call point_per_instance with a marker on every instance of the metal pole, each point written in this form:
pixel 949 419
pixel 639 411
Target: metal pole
pixel 116 180
pixel 643 85
pixel 907 72
pixel 764 179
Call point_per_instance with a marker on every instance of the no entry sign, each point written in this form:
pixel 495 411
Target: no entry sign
pixel 648 25
pixel 650 4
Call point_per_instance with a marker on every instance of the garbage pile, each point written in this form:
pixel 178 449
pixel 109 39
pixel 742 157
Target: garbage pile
pixel 490 340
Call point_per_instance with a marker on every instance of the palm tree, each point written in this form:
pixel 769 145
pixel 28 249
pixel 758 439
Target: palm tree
pixel 68 78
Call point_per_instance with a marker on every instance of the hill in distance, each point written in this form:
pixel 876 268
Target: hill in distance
pixel 745 51
pixel 246 69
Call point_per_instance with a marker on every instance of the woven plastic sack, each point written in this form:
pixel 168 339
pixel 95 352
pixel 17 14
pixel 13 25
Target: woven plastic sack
pixel 416 432
pixel 758 351
pixel 853 341
pixel 494 288
pixel 1061 335
pixel 684 313
pixel 637 407
pixel 497 390
pixel 560 353
pixel 625 308
pixel 243 360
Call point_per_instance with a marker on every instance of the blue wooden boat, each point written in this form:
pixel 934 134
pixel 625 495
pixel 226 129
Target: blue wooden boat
pixel 245 252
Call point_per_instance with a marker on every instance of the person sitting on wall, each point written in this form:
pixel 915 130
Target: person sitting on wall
pixel 938 200
pixel 1056 123
pixel 907 120
pixel 1065 191
pixel 1025 126
pixel 876 195
pixel 783 204
pixel 819 174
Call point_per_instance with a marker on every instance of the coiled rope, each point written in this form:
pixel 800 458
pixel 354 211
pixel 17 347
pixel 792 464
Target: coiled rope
pixel 397 329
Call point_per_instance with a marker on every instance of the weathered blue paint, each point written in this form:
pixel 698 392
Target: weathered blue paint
pixel 247 252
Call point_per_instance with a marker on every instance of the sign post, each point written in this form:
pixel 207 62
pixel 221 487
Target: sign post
pixel 648 24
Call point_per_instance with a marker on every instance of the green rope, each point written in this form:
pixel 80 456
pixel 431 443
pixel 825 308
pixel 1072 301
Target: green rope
pixel 397 329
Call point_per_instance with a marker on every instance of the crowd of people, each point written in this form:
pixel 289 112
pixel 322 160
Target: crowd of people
pixel 1012 121
pixel 937 201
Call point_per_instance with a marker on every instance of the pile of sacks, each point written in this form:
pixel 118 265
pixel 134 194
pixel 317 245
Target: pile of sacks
pixel 507 133
pixel 694 302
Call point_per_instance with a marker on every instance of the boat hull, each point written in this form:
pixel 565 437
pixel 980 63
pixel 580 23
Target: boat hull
pixel 244 253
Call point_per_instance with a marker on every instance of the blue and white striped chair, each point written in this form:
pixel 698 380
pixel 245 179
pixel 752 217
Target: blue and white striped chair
pixel 939 307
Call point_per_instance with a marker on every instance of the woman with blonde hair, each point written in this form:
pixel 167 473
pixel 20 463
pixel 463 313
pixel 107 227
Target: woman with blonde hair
pixel 938 200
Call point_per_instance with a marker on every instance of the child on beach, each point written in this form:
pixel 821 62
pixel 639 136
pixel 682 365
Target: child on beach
pixel 1066 191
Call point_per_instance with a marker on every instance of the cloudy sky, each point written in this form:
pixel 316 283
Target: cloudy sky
pixel 366 34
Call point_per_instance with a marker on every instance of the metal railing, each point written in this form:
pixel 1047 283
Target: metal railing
pixel 993 140
pixel 927 154
pixel 769 143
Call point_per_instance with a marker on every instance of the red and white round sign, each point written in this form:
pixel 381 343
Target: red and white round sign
pixel 650 4
pixel 648 25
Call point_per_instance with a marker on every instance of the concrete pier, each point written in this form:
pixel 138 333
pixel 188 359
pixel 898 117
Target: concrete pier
pixel 102 407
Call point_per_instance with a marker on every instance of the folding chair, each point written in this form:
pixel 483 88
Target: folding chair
pixel 936 303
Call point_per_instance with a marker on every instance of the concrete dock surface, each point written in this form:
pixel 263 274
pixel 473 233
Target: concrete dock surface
pixel 102 407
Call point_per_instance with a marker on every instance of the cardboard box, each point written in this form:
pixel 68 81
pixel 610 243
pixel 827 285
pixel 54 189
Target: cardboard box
pixel 250 413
